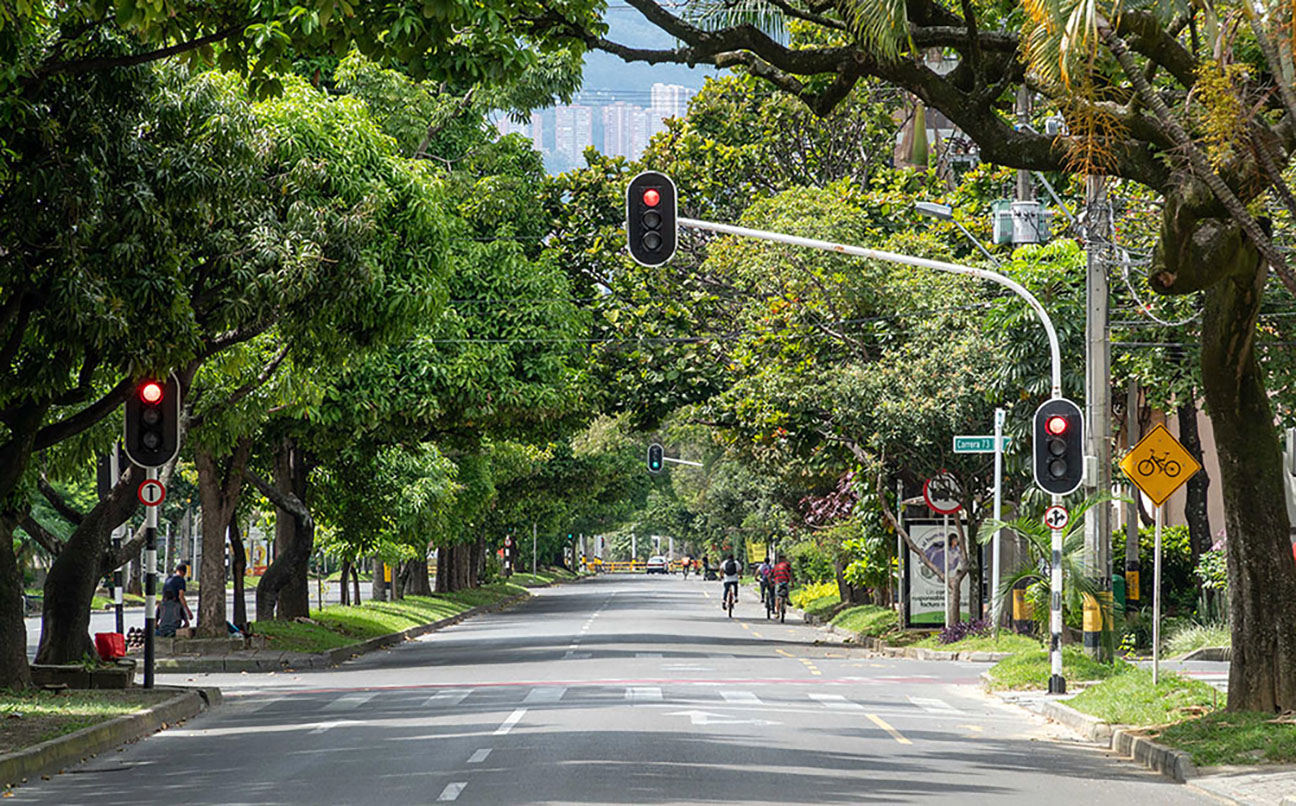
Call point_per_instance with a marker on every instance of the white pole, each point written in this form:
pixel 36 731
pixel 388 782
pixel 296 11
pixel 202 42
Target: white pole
pixel 908 260
pixel 945 581
pixel 1156 598
pixel 998 515
pixel 533 547
pixel 900 553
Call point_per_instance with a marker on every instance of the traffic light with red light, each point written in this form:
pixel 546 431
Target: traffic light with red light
pixel 650 218
pixel 153 422
pixel 1059 446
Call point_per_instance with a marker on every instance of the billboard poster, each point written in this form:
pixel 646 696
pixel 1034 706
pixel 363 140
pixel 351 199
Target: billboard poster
pixel 925 599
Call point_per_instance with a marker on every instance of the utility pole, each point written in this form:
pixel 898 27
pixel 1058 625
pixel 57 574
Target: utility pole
pixel 1132 437
pixel 1097 410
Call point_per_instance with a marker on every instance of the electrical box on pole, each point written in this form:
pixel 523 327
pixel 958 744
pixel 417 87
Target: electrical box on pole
pixel 152 433
pixel 1059 446
pixel 651 229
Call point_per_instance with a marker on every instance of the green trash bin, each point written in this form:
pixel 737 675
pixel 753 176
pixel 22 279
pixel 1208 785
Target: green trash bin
pixel 1118 593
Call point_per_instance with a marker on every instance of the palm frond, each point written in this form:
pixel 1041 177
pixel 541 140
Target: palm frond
pixel 716 15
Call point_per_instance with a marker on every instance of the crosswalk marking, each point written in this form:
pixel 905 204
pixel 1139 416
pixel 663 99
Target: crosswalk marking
pixel 545 694
pixel 836 702
pixel 507 724
pixel 451 791
pixel 449 697
pixel 740 697
pixel 348 701
pixel 479 756
pixel 933 705
pixel 636 694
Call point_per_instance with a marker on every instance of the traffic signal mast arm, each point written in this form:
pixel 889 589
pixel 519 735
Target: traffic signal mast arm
pixel 1055 350
pixel 682 462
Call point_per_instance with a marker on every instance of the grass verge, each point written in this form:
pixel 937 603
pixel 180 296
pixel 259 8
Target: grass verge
pixel 545 576
pixel 1005 642
pixel 866 620
pixel 821 607
pixel 104 603
pixel 1198 636
pixel 1030 670
pixel 1224 737
pixel 32 717
pixel 337 626
pixel 1131 699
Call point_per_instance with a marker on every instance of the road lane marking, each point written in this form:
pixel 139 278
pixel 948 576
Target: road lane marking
pixel 545 694
pixel 508 724
pixel 349 701
pixel 895 734
pixel 262 706
pixel 835 702
pixel 933 706
pixel 648 654
pixel 450 697
pixel 758 635
pixel 479 756
pixel 740 697
pixel 785 653
pixel 325 727
pixel 451 791
pixel 744 625
pixel 638 694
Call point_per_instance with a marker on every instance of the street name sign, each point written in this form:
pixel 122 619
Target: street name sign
pixel 1158 465
pixel 978 444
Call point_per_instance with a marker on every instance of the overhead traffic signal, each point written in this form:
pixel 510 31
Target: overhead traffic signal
pixel 1059 446
pixel 654 458
pixel 650 218
pixel 153 422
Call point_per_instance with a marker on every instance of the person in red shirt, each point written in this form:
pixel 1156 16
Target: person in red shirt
pixel 781 576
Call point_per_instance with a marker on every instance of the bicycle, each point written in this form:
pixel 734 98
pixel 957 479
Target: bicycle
pixel 730 596
pixel 1164 463
pixel 780 606
pixel 767 599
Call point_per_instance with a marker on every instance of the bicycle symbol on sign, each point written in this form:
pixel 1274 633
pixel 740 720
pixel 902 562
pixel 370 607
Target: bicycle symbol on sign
pixel 1162 463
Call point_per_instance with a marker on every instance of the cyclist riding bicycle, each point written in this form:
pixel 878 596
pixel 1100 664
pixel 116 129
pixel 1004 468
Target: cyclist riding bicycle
pixel 732 571
pixel 781 576
pixel 763 572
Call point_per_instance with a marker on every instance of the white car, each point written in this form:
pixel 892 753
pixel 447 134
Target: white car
pixel 657 565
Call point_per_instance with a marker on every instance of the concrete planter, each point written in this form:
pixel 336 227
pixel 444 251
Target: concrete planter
pixel 77 676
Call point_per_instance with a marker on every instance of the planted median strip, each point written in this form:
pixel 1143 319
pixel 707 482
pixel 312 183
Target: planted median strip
pixel 337 626
pixel 34 716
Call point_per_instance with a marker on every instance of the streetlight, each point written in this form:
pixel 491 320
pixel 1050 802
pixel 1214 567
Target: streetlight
pixel 946 213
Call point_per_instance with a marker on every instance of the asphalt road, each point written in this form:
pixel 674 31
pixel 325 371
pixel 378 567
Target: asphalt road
pixel 616 690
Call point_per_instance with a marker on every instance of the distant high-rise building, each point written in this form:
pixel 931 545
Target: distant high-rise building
pixel 617 123
pixel 573 130
pixel 670 100
pixel 537 130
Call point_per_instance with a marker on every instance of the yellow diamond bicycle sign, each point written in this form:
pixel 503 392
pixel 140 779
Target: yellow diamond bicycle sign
pixel 1159 465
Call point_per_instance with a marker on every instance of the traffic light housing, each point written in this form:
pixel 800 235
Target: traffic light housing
pixel 655 459
pixel 650 218
pixel 152 433
pixel 1059 446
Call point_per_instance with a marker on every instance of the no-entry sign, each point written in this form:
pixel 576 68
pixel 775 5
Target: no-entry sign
pixel 151 492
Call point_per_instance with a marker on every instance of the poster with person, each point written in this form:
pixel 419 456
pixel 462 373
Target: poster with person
pixel 925 599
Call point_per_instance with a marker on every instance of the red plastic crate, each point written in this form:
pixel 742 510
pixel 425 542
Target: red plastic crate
pixel 110 645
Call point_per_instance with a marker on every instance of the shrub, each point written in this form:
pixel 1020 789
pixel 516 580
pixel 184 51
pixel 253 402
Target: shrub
pixel 964 629
pixel 811 562
pixel 801 597
pixel 1178 581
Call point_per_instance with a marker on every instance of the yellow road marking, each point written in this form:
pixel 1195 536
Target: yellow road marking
pixel 744 625
pixel 895 734
pixel 973 728
pixel 758 635
pixel 785 653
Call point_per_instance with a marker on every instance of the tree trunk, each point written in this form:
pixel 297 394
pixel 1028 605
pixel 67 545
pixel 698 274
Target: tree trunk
pixel 284 590
pixel 344 592
pixel 1262 574
pixel 443 569
pixel 14 672
pixel 398 582
pixel 238 569
pixel 463 561
pixel 378 584
pixel 418 584
pixel 135 584
pixel 220 484
pixel 1195 507
pixel 75 573
pixel 477 557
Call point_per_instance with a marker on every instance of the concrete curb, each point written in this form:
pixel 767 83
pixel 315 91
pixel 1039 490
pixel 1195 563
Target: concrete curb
pixel 1221 654
pixel 279 661
pixel 53 755
pixel 1174 764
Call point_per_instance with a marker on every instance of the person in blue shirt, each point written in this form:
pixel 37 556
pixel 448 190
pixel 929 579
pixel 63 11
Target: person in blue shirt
pixel 174 588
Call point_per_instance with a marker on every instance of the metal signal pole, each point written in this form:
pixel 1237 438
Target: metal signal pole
pixel 150 582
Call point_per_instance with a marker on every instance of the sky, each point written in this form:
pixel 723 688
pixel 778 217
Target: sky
pixel 603 71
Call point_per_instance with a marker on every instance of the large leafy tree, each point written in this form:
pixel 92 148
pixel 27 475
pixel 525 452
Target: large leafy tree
pixel 1193 102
